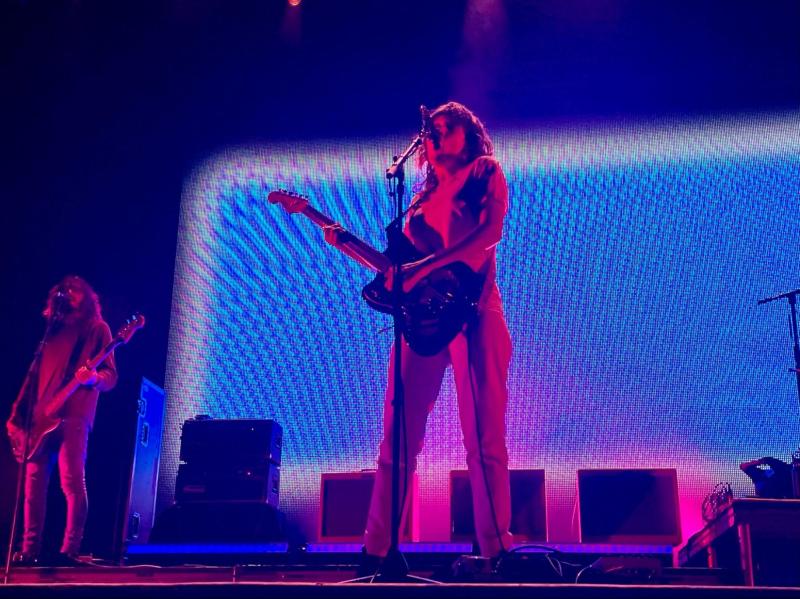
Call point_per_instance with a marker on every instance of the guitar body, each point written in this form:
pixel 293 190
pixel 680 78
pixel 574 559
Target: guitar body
pixel 45 418
pixel 45 421
pixel 435 310
pixel 42 426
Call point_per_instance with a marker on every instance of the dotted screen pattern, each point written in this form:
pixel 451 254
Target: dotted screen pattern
pixel 633 257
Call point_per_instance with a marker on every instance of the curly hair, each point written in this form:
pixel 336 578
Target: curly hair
pixel 90 306
pixel 476 139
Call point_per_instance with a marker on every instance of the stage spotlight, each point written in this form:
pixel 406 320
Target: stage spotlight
pixel 294 2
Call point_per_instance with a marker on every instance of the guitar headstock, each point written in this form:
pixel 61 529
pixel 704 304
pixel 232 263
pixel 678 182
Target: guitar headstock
pixel 133 324
pixel 290 201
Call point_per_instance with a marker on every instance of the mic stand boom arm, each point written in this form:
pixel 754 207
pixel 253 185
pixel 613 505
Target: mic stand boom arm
pixel 792 297
pixel 395 171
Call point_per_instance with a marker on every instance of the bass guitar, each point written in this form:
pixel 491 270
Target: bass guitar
pixel 433 312
pixel 45 417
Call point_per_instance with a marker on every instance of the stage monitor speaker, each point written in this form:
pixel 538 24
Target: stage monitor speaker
pixel 344 504
pixel 636 506
pixel 256 484
pixel 528 506
pixel 146 459
pixel 243 442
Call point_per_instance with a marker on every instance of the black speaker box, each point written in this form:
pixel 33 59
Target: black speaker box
pixel 259 483
pixel 528 506
pixel 233 442
pixel 218 522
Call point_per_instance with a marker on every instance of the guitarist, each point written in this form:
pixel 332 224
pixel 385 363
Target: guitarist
pixel 457 216
pixel 76 331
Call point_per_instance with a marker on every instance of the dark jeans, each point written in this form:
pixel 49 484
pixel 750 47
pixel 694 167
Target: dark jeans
pixel 67 446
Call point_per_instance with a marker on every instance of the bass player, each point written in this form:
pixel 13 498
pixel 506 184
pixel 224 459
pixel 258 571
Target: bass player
pixel 75 331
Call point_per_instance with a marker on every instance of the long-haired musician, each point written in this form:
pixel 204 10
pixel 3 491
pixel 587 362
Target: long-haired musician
pixel 75 332
pixel 457 216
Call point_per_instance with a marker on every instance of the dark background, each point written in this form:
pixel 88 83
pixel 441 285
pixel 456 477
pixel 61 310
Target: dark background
pixel 108 106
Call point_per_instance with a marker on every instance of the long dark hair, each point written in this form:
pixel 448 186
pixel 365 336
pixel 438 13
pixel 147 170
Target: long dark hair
pixel 476 139
pixel 89 309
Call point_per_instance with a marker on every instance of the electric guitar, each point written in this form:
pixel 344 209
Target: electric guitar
pixel 433 312
pixel 46 417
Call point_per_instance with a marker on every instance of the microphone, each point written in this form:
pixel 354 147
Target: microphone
pixel 60 302
pixel 428 129
pixel 425 114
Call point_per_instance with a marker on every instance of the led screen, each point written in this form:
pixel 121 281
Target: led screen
pixel 633 256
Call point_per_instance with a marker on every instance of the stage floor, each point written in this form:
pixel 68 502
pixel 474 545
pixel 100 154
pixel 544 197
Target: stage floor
pixel 153 582
pixel 529 576
pixel 329 570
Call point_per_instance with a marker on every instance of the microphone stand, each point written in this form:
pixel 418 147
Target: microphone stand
pixel 33 369
pixel 792 297
pixel 394 567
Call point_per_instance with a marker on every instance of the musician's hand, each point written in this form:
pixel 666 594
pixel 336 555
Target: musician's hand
pixel 388 278
pixel 335 234
pixel 413 273
pixel 86 376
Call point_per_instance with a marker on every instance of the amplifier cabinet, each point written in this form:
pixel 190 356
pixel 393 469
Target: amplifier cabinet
pixel 344 504
pixel 528 506
pixel 233 442
pixel 253 484
pixel 629 506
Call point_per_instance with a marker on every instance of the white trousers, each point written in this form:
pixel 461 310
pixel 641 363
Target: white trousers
pixel 480 359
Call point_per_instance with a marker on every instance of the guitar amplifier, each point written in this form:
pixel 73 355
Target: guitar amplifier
pixel 232 443
pixel 344 505
pixel 629 506
pixel 528 506
pixel 257 484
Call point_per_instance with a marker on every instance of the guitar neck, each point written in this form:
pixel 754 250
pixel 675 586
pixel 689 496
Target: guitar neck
pixel 351 245
pixel 67 390
pixel 103 354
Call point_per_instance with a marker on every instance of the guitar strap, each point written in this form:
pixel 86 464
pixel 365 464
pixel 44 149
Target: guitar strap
pixel 72 364
pixel 29 392
pixel 26 396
